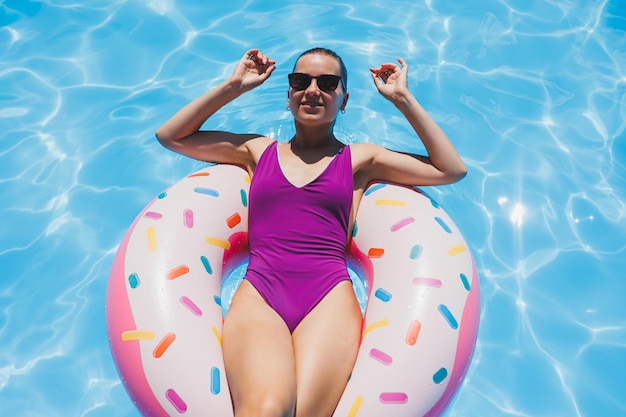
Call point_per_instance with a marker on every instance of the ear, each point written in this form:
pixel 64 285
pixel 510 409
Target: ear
pixel 345 101
pixel 288 106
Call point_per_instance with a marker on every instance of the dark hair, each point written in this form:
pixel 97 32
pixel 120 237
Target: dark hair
pixel 328 52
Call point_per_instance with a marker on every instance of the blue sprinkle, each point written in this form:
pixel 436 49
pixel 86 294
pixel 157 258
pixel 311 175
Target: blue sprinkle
pixel 448 316
pixel 434 204
pixel 440 375
pixel 382 295
pixel 215 381
pixel 218 300
pixel 162 195
pixel 355 229
pixel 207 191
pixel 244 198
pixel 374 187
pixel 465 281
pixel 443 224
pixel 206 264
pixel 416 252
pixel 133 280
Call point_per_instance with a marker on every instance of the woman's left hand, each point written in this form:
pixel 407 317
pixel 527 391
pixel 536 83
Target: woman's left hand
pixel 391 80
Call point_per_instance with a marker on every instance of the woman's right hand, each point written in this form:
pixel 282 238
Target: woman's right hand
pixel 252 70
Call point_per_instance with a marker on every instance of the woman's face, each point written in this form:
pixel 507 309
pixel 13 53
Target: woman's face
pixel 313 106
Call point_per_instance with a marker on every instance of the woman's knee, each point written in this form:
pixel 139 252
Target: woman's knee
pixel 269 406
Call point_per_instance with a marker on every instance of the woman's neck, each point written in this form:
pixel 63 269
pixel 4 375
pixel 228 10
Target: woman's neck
pixel 314 137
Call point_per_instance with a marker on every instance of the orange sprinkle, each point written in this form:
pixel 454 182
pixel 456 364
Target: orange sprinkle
pixel 177 272
pixel 413 333
pixel 375 252
pixel 163 345
pixel 199 174
pixel 233 220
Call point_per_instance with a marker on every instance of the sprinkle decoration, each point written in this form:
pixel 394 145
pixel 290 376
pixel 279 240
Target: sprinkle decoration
pixel 381 357
pixel 382 295
pixel 206 191
pixel 191 306
pixel 133 280
pixel 177 272
pixel 393 398
pixel 233 220
pixel 174 399
pixel 163 345
pixel 412 334
pixel 215 381
pixel 355 406
pixel 188 218
pixel 402 223
pixel 153 215
pixel 136 335
pixel 445 312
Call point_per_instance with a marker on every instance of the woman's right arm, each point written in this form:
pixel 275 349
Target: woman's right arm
pixel 181 132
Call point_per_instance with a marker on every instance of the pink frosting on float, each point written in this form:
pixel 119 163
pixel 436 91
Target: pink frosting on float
pixel 126 354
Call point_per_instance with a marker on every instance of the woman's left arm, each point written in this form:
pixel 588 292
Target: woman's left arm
pixel 443 165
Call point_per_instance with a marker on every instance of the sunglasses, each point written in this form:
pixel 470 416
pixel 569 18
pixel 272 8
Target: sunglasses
pixel 327 83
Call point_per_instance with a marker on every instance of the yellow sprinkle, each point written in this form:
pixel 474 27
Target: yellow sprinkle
pixel 375 326
pixel 137 335
pixel 396 203
pixel 217 334
pixel 355 406
pixel 218 242
pixel 247 179
pixel 457 249
pixel 152 244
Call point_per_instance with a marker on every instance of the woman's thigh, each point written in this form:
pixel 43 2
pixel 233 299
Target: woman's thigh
pixel 326 343
pixel 258 357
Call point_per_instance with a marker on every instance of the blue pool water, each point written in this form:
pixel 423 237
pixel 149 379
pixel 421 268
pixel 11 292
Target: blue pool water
pixel 533 93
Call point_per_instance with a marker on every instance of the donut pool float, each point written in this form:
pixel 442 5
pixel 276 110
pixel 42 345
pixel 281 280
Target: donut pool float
pixel 180 262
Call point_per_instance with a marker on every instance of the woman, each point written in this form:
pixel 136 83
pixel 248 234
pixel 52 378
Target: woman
pixel 292 333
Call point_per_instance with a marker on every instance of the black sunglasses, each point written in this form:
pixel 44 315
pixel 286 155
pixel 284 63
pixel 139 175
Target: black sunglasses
pixel 327 82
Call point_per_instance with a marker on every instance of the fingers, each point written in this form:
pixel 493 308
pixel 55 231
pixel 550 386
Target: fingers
pixel 261 61
pixel 388 71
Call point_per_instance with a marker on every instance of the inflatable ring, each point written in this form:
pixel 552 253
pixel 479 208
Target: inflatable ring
pixel 164 300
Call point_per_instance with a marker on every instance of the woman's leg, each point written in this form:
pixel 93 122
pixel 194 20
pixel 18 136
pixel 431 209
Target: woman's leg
pixel 258 357
pixel 326 343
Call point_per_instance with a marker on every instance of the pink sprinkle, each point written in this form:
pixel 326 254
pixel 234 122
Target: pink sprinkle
pixel 402 223
pixel 381 357
pixel 393 398
pixel 429 282
pixel 178 403
pixel 193 307
pixel 153 215
pixel 188 218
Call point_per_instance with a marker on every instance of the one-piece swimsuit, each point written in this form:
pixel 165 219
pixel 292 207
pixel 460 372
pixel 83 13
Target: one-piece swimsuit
pixel 298 235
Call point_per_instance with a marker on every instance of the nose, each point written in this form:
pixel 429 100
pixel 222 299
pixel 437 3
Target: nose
pixel 312 88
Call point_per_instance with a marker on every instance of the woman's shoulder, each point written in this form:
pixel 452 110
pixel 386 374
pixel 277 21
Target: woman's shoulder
pixel 258 145
pixel 364 153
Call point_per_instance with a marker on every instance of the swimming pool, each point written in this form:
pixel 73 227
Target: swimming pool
pixel 532 93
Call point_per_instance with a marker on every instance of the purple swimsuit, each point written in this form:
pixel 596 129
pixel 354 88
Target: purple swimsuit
pixel 298 235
